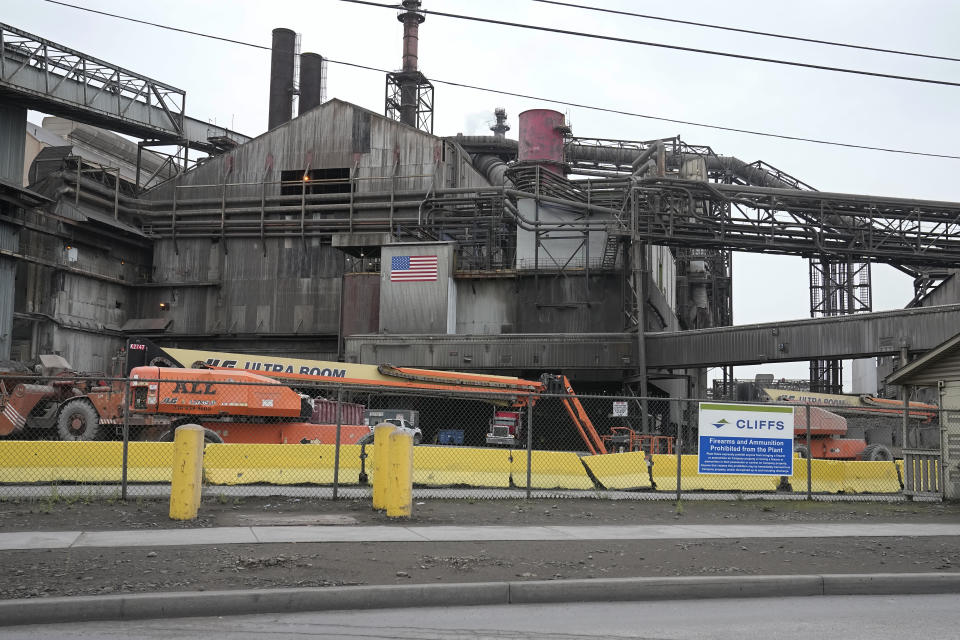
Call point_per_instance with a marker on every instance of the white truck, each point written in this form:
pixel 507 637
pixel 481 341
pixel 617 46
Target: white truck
pixel 404 418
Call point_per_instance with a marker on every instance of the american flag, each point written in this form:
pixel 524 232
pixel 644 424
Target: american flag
pixel 413 269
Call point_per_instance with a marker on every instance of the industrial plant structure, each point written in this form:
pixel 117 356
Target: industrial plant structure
pixel 360 235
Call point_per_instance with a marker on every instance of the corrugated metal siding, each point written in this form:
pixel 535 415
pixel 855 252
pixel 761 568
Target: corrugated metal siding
pixel 13 140
pixel 336 134
pixel 325 412
pixel 486 307
pixel 544 352
pixel 8 274
pixel 294 288
pixel 361 303
pixel 557 248
pixel 569 304
pixel 943 369
pixel 416 307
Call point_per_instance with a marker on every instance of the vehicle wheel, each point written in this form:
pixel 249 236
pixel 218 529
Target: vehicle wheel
pixel 367 439
pixel 877 453
pixel 209 436
pixel 417 438
pixel 79 421
pixel 802 450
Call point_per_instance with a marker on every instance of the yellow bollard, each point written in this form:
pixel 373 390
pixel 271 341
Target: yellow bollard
pixel 381 444
pixel 187 472
pixel 400 472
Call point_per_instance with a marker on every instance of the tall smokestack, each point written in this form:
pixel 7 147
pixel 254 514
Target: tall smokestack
pixel 281 77
pixel 408 86
pixel 311 82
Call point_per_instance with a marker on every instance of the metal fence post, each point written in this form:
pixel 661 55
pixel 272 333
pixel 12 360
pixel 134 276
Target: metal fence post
pixel 809 458
pixel 679 444
pixel 126 439
pixel 336 448
pixel 529 441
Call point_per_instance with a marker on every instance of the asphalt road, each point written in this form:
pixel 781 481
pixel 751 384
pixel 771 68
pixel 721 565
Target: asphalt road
pixel 847 617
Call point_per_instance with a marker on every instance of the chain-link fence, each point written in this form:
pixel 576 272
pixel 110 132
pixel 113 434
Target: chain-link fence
pixel 111 437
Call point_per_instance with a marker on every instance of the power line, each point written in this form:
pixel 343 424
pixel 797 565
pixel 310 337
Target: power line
pixel 634 114
pixel 568 103
pixel 161 26
pixel 750 31
pixel 646 43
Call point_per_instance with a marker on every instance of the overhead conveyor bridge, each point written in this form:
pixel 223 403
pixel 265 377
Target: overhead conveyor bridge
pixel 43 75
pixel 856 336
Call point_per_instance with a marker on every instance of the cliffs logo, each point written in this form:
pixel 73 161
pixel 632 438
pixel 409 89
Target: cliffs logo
pixel 719 425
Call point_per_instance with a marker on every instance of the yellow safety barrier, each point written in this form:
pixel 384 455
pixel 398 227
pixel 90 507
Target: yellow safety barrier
pixel 870 477
pixel 827 476
pixel 381 453
pixel 665 475
pixel 187 482
pixel 231 464
pixel 620 470
pixel 452 466
pixel 400 474
pixel 23 461
pixel 550 470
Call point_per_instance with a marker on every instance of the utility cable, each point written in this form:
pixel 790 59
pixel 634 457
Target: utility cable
pixel 675 47
pixel 634 114
pixel 568 103
pixel 161 26
pixel 749 31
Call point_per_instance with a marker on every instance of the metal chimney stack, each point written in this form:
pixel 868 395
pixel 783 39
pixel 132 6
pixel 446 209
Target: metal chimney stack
pixel 312 82
pixel 282 61
pixel 408 86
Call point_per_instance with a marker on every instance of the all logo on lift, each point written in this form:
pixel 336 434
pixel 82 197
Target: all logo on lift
pixel 194 388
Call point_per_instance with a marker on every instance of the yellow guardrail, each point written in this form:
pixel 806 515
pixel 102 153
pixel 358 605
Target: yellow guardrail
pixel 235 464
pixel 550 470
pixel 665 475
pixel 620 470
pixel 452 466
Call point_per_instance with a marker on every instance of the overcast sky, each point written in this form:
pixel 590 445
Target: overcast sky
pixel 227 83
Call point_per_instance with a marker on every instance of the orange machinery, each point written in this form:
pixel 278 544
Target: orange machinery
pixel 236 406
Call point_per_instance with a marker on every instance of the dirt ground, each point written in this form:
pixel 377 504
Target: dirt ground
pixel 140 569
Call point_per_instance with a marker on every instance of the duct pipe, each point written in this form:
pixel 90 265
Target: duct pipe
pixel 492 168
pixel 311 82
pixel 281 77
pixel 645 155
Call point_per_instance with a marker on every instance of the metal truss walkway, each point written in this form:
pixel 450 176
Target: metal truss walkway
pixel 43 75
pixel 898 231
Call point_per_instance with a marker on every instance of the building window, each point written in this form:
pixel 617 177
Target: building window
pixel 315 181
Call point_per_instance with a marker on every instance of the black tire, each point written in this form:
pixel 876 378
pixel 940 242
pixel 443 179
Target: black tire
pixel 802 450
pixel 417 438
pixel 877 453
pixel 79 422
pixel 209 436
pixel 367 439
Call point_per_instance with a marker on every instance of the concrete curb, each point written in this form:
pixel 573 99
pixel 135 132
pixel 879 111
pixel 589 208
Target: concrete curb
pixel 226 603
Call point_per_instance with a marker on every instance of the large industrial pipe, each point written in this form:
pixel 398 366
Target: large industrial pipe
pixel 281 77
pixel 411 39
pixel 311 82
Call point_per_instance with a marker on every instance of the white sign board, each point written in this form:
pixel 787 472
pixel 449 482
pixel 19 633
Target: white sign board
pixel 745 439
pixel 620 409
